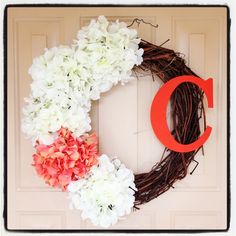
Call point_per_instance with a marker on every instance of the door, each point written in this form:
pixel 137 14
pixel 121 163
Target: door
pixel 198 201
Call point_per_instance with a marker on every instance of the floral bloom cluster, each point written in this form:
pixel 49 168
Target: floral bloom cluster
pixel 67 159
pixel 66 79
pixel 56 118
pixel 111 50
pixel 105 194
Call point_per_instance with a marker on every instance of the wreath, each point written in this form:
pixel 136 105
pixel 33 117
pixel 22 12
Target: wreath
pixel 56 117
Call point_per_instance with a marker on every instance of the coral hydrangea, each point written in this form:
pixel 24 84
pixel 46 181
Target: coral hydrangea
pixel 67 158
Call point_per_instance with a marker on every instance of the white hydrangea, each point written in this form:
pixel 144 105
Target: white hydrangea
pixel 57 97
pixel 66 79
pixel 111 50
pixel 105 194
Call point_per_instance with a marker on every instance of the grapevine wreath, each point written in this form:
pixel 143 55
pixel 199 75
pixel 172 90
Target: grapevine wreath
pixel 56 118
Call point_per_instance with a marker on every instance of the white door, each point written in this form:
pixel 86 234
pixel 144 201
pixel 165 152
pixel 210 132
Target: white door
pixel 121 118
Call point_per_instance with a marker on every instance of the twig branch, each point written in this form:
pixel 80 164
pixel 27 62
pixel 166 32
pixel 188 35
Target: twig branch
pixel 138 21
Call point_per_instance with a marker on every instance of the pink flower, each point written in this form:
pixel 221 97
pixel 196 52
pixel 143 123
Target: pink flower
pixel 67 159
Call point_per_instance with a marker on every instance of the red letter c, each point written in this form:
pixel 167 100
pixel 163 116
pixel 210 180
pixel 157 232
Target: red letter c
pixel 158 112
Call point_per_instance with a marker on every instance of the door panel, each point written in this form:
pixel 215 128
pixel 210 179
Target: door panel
pixel 121 118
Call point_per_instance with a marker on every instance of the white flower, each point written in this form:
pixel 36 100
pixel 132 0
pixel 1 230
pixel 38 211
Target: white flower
pixel 59 96
pixel 66 79
pixel 109 51
pixel 105 194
